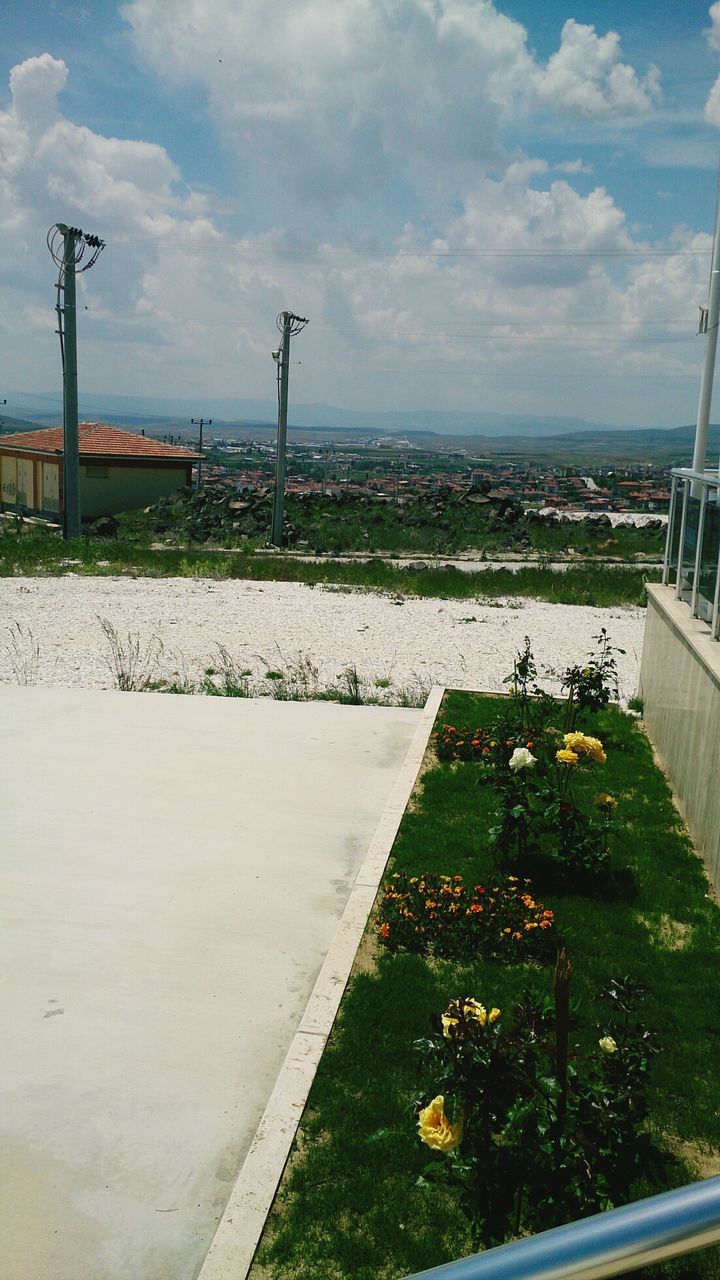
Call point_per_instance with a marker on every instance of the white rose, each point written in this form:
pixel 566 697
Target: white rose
pixel 521 759
pixel 608 1045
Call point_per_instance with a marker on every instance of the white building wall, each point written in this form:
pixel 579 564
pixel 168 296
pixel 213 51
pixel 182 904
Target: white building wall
pixel 680 686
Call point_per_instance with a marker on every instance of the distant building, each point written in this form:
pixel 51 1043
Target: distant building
pixel 119 470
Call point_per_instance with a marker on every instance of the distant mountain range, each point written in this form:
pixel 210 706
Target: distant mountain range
pixel 148 410
pixel 480 433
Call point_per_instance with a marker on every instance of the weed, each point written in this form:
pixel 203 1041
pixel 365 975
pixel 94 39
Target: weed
pixel 350 687
pixel 228 679
pixel 23 651
pixel 413 694
pixel 131 663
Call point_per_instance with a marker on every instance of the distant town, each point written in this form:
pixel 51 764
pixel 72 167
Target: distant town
pixel 392 468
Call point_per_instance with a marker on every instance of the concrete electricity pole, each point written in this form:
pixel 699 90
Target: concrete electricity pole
pixel 288 325
pixel 200 422
pixel 67 257
pixel 709 326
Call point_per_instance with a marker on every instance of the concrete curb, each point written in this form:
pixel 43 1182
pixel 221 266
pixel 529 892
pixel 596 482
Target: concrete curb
pixel 233 1247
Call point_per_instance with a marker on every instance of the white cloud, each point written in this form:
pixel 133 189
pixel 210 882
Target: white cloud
pixel 52 170
pixel 339 96
pixel 712 106
pixel 712 33
pixel 573 166
pixel 523 170
pixel 35 85
pixel 515 278
pixel 340 99
pixel 587 78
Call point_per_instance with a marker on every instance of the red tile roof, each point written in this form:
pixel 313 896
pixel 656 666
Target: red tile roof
pixel 95 440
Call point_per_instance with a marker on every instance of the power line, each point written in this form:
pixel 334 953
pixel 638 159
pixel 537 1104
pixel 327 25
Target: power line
pixel 390 251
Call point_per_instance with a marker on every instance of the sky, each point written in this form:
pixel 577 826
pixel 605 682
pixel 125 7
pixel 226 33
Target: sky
pixel 478 206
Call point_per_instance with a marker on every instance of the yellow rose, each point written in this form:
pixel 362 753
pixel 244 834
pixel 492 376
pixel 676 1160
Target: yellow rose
pixel 493 1016
pixel 566 757
pixel 467 1012
pixel 604 801
pixel 608 1045
pixel 435 1128
pixel 594 749
pixel 583 745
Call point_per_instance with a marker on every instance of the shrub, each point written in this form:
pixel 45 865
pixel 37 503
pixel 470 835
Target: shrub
pixel 442 916
pixel 533 1132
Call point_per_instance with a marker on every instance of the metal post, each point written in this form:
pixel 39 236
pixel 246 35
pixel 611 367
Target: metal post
pixel 715 619
pixel 706 383
pixel 668 536
pixel 681 543
pixel 200 422
pixel 71 447
pixel 698 555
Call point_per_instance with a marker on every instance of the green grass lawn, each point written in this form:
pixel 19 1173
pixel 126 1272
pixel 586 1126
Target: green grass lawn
pixel 45 553
pixel 349 1207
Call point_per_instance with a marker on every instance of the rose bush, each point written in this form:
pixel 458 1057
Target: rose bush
pixel 545 1131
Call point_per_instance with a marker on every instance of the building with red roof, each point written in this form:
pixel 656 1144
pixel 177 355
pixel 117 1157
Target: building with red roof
pixel 119 470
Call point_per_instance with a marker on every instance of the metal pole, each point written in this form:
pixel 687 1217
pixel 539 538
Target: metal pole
pixel 608 1244
pixel 698 554
pixel 715 619
pixel 706 383
pixel 71 448
pixel 200 422
pixel 279 499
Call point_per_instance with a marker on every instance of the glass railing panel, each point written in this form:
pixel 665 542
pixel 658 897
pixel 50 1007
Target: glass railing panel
pixel 689 549
pixel 708 561
pixel 675 534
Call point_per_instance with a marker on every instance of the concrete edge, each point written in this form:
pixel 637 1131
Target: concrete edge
pixel 692 633
pixel 233 1247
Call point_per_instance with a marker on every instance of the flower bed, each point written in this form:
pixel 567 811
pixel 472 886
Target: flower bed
pixel 442 916
pixel 541 1101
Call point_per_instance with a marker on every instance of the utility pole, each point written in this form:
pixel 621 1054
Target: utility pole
pixel 325 472
pixel 68 257
pixel 289 325
pixel 200 422
pixel 708 327
pixel 71 445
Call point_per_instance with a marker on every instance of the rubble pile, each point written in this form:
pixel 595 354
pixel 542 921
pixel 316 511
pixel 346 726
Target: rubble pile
pixel 219 511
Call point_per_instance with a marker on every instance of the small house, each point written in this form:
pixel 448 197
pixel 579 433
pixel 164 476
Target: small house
pixel 119 470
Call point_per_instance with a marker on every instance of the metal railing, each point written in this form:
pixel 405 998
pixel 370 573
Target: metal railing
pixel 609 1244
pixel 692 545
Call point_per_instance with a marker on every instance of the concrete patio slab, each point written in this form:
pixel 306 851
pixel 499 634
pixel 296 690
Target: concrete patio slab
pixel 174 870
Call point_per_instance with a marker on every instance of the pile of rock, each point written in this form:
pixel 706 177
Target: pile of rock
pixel 219 511
pixel 214 511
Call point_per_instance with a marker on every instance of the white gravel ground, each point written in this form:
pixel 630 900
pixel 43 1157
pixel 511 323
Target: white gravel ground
pixel 454 642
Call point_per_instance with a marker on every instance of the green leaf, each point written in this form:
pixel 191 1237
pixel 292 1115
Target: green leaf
pixel 378 1135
